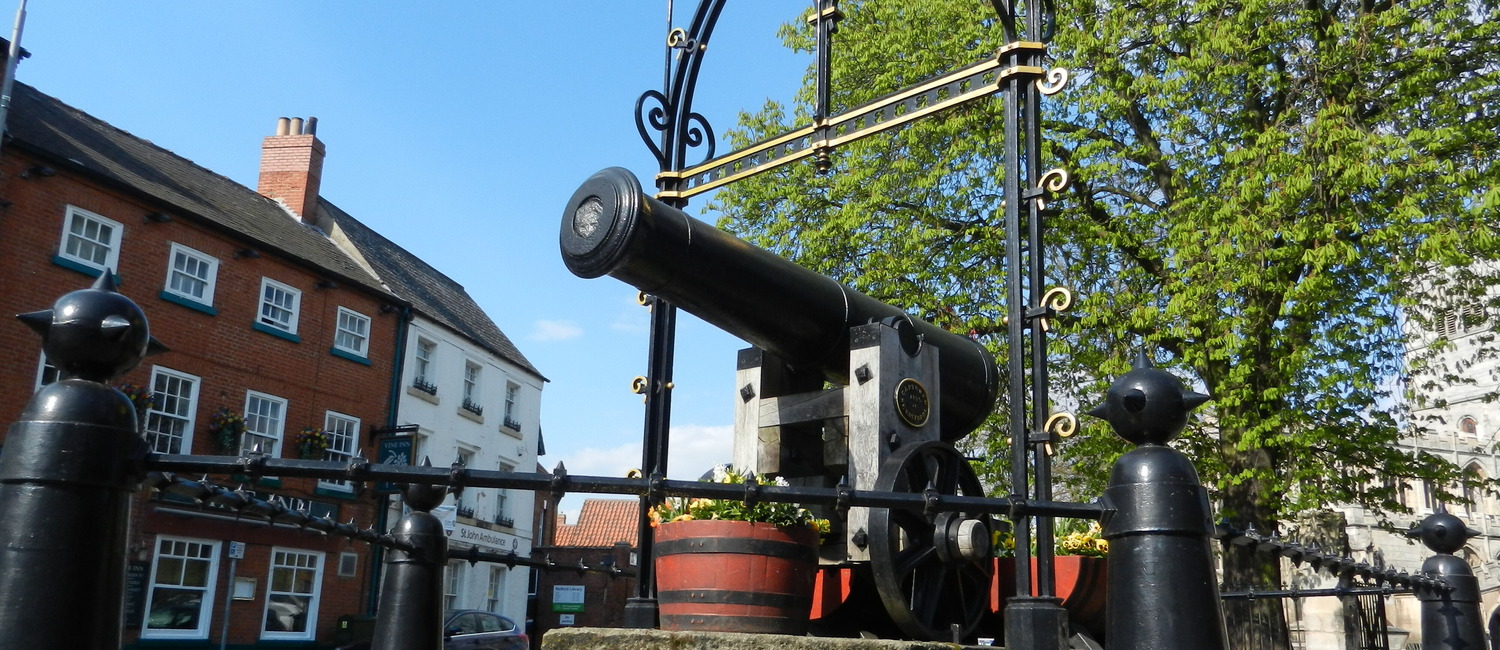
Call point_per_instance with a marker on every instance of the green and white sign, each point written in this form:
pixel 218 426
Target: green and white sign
pixel 567 598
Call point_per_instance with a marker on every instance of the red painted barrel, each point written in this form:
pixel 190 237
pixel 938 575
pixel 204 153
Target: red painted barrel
pixel 1078 581
pixel 735 576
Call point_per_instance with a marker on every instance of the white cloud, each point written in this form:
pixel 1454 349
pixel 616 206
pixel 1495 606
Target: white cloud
pixel 632 323
pixel 695 449
pixel 692 450
pixel 555 330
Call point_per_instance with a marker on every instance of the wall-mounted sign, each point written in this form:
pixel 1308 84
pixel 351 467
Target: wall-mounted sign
pixel 395 450
pixel 244 588
pixel 236 550
pixel 565 619
pixel 496 541
pixel 135 592
pixel 567 598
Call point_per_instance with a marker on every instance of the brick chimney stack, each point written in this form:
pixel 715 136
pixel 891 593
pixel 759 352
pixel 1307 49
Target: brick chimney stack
pixel 291 166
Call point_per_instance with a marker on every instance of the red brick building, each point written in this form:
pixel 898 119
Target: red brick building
pixel 605 534
pixel 265 318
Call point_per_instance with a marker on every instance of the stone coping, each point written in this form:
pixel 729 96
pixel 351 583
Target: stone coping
pixel 599 638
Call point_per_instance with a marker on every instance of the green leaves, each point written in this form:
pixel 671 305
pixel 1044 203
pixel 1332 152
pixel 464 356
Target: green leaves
pixel 1263 189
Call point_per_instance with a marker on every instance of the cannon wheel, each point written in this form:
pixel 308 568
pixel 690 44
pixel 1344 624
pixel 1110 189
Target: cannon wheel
pixel 930 588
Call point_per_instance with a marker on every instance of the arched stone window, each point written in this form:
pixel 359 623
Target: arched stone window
pixel 1474 560
pixel 1468 426
pixel 1472 490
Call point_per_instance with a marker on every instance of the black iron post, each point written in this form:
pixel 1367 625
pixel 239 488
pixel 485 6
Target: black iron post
pixel 1034 618
pixel 680 129
pixel 410 616
pixel 1450 617
pixel 69 466
pixel 641 610
pixel 1163 591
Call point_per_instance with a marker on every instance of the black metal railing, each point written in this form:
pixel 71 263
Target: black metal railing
pixel 420 383
pixel 473 407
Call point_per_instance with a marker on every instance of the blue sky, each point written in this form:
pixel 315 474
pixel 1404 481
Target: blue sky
pixel 458 130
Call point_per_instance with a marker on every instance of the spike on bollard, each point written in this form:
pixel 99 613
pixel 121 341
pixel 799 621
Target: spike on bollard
pixel 1147 406
pixel 72 460
pixel 1159 535
pixel 1450 595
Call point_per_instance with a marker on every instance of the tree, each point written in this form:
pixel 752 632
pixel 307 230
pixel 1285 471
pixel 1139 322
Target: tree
pixel 1266 192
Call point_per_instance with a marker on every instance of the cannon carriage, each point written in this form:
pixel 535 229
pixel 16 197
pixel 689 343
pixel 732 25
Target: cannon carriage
pixel 839 388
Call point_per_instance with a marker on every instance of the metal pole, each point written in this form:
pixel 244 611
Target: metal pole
pixel 69 467
pixel 410 616
pixel 641 611
pixel 1163 591
pixel 677 135
pixel 234 564
pixel 14 57
pixel 1034 619
pixel 1450 617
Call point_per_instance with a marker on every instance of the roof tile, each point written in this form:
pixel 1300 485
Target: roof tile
pixel 601 523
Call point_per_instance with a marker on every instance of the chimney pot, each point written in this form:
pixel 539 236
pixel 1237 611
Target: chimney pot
pixel 291 167
pixel 312 126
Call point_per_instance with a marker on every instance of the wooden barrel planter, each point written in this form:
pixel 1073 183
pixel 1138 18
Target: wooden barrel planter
pixel 735 576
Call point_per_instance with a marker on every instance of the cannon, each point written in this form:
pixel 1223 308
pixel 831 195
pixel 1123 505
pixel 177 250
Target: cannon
pixel 839 387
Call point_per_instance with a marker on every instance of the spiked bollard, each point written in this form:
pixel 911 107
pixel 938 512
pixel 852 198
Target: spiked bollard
pixel 1450 617
pixel 70 464
pixel 1163 593
pixel 410 615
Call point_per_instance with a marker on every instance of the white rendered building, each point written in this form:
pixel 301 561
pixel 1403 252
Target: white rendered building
pixel 466 395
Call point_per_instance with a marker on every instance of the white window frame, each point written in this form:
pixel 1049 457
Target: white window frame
pixel 42 373
pixel 502 496
pixel 464 454
pixel 159 411
pixel 275 436
pixel 494 595
pixel 472 374
pixel 512 391
pixel 423 364
pixel 111 243
pixel 277 553
pixel 348 564
pixel 206 606
pixel 209 278
pixel 288 325
pixel 342 430
pixel 358 343
pixel 453 585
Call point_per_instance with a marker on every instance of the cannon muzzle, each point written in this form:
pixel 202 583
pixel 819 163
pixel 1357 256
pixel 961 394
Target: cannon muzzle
pixel 611 227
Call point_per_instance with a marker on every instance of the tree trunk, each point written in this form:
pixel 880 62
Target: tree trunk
pixel 1258 624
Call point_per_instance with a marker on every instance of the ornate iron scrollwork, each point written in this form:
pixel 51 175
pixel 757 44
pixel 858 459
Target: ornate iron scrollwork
pixel 1057 79
pixel 672 117
pixel 1054 181
pixel 1055 300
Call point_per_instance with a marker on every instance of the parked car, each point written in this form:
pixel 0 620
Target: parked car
pixel 472 629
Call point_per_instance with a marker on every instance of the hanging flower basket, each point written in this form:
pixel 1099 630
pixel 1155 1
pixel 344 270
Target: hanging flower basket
pixel 141 397
pixel 312 443
pixel 224 429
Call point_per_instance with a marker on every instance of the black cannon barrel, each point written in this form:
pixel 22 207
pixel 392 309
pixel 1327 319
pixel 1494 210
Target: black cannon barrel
pixel 611 227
